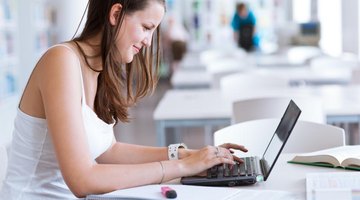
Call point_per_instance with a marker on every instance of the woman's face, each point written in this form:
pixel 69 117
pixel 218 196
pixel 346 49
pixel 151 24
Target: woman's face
pixel 137 30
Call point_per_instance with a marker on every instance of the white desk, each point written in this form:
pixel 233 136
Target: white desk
pixel 190 79
pixel 191 61
pixel 299 75
pixel 304 75
pixel 284 177
pixel 290 177
pixel 276 61
pixel 182 108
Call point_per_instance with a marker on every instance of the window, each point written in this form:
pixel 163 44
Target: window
pixel 301 10
pixel 329 14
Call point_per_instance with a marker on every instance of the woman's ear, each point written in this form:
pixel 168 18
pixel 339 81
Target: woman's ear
pixel 114 13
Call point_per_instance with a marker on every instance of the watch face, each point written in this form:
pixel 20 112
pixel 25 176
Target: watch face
pixel 173 150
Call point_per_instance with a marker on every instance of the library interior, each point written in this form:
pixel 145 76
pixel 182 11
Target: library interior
pixel 228 71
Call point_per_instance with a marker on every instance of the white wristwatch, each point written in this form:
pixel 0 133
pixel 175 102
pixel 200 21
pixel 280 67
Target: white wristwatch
pixel 173 150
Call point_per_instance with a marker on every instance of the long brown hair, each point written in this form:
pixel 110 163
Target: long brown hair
pixel 120 85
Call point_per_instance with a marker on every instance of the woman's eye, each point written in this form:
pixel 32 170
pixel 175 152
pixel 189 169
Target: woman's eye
pixel 147 28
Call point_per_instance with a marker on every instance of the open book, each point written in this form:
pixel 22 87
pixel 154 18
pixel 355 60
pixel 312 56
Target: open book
pixel 347 157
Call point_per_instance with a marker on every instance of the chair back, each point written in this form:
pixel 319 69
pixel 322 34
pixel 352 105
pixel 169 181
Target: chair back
pixel 256 134
pixel 274 107
pixel 212 55
pixel 355 76
pixel 303 54
pixel 224 67
pixel 335 66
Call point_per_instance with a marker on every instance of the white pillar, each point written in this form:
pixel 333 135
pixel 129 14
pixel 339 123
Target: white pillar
pixel 69 13
pixel 350 26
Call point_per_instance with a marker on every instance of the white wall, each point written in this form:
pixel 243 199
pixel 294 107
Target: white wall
pixel 329 13
pixel 350 26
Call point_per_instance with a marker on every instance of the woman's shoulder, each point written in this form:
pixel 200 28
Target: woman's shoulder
pixel 62 49
pixel 59 59
pixel 60 54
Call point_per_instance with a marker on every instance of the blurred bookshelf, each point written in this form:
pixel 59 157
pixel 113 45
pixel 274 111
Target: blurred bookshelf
pixel 9 56
pixel 44 16
pixel 38 20
pixel 27 29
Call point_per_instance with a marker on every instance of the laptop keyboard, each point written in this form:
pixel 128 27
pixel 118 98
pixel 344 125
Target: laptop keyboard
pixel 248 168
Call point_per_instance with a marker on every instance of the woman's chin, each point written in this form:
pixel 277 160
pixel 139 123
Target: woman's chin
pixel 129 59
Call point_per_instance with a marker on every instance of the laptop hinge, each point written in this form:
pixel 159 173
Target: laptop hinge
pixel 262 166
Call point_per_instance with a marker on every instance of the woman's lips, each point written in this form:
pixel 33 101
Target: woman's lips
pixel 136 49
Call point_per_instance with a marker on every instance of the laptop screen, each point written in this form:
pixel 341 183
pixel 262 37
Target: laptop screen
pixel 279 138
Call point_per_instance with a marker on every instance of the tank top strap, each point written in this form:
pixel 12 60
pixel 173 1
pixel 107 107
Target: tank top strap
pixel 83 98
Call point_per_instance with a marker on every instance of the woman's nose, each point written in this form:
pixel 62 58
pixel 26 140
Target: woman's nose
pixel 147 41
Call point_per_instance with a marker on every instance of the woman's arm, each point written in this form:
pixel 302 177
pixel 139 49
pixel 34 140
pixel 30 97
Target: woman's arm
pixel 119 153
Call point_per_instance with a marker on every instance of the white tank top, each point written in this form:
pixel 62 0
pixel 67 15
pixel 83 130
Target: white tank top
pixel 33 171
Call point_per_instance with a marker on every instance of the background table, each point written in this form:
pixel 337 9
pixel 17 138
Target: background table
pixel 208 108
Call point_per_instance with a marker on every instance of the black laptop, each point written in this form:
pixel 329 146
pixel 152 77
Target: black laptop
pixel 253 169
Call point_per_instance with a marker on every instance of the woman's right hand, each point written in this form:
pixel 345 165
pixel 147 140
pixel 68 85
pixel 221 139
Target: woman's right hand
pixel 206 158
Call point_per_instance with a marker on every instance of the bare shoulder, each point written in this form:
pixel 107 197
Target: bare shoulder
pixel 58 62
pixel 57 76
pixel 60 56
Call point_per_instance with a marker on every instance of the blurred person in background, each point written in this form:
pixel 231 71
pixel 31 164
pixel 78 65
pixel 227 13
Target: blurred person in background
pixel 244 26
pixel 176 38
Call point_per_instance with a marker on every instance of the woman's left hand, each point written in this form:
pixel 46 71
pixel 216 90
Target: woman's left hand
pixel 231 147
pixel 183 153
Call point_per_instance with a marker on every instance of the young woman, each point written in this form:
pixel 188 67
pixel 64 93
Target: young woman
pixel 63 144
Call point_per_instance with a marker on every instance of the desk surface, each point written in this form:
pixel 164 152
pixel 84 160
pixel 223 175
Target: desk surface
pixel 211 104
pixel 290 177
pixel 191 79
pixel 195 104
pixel 285 177
pixel 296 75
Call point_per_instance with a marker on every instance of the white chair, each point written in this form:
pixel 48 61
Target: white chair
pixel 211 55
pixel 355 76
pixel 329 62
pixel 256 134
pixel 274 107
pixel 236 85
pixel 3 162
pixel 227 66
pixel 303 54
pixel 334 66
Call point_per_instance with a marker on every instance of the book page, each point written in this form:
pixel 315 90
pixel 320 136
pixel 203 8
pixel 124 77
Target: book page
pixel 340 153
pixel 352 161
pixel 336 182
pixel 316 159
